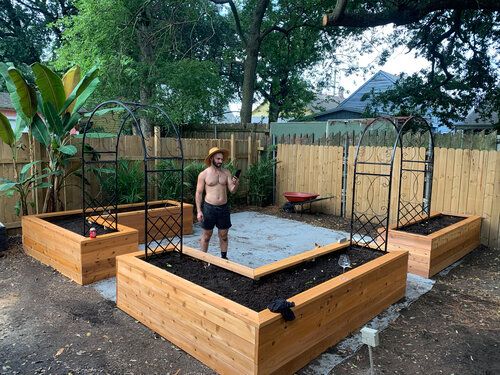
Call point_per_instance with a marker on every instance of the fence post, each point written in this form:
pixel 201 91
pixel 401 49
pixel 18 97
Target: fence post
pixel 345 158
pixel 232 151
pixel 250 151
pixel 274 167
pixel 156 153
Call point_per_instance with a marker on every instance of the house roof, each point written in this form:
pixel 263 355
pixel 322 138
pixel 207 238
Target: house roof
pixel 5 101
pixel 474 121
pixel 380 81
pixel 325 102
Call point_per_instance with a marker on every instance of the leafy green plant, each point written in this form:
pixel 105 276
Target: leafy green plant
pixel 191 172
pixel 25 180
pixel 168 183
pixel 50 112
pixel 260 181
pixel 130 181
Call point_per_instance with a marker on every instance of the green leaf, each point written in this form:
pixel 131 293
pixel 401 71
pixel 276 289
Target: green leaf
pixel 19 127
pixel 40 131
pixel 7 186
pixel 6 132
pixel 50 85
pixel 81 88
pixel 28 166
pixel 17 208
pixel 71 121
pixel 23 97
pixel 53 120
pixel 10 193
pixel 68 150
pixel 80 101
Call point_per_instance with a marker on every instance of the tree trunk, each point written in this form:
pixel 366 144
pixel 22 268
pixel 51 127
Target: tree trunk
pixel 274 111
pixel 147 60
pixel 252 46
pixel 249 78
pixel 145 95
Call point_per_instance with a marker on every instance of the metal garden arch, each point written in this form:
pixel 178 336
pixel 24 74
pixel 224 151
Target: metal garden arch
pixel 416 170
pixel 103 206
pixel 372 188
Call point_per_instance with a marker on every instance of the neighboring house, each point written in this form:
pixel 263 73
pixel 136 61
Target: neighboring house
pixel 474 122
pixel 320 104
pixel 6 107
pixel 353 107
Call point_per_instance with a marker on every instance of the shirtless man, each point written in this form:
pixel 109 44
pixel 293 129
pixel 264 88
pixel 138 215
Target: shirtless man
pixel 214 211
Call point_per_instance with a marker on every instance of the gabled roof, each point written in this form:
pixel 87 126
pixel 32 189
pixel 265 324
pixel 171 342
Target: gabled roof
pixel 380 81
pixel 5 101
pixel 474 121
pixel 324 102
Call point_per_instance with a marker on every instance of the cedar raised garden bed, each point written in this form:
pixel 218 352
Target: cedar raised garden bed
pixel 232 338
pixel 431 253
pixel 82 259
pixel 132 215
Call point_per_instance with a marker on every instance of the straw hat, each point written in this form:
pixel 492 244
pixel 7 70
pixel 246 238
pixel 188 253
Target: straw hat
pixel 216 150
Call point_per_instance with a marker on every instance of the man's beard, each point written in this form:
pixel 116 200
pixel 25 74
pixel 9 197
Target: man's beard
pixel 216 165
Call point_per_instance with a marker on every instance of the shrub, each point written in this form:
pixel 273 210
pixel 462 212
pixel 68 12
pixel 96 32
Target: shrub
pixel 130 182
pixel 260 181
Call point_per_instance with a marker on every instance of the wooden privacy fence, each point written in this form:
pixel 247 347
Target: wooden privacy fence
pixel 464 182
pixel 242 152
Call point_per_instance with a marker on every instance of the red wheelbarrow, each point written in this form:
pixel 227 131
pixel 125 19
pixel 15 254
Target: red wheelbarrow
pixel 297 198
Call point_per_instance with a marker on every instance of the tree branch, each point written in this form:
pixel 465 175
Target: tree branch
pixel 236 16
pixel 402 13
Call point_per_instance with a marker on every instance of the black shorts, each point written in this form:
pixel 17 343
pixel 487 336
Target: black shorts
pixel 215 216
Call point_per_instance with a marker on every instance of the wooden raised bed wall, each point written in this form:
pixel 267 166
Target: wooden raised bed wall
pixel 231 338
pixel 84 260
pixel 135 218
pixel 432 253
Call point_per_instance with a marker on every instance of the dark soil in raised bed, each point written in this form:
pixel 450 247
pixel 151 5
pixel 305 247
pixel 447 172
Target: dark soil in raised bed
pixel 432 225
pixel 257 295
pixel 74 223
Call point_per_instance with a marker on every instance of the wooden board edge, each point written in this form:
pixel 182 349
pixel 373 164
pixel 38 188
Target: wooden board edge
pixel 216 300
pixel 297 259
pixel 267 317
pixel 468 220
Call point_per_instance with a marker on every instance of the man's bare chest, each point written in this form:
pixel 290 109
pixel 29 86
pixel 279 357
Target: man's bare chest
pixel 214 179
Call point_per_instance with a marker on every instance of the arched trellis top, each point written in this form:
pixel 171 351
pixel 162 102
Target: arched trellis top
pixel 372 187
pixel 102 207
pixel 416 170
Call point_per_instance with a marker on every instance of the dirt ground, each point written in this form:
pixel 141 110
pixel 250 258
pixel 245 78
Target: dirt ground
pixel 50 325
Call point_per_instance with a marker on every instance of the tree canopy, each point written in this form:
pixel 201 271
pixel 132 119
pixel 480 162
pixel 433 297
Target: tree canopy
pixel 460 39
pixel 195 57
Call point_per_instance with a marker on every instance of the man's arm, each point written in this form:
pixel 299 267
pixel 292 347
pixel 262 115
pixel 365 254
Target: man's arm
pixel 200 187
pixel 232 182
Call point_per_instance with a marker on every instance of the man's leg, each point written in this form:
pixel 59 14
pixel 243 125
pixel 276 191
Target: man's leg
pixel 223 241
pixel 205 239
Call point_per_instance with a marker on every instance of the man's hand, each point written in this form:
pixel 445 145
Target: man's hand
pixel 199 216
pixel 236 180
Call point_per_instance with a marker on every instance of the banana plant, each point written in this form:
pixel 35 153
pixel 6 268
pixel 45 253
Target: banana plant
pixel 25 180
pixel 51 112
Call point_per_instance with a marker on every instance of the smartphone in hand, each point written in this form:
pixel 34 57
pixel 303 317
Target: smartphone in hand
pixel 237 174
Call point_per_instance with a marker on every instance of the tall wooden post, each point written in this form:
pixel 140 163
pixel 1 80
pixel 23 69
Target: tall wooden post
pixel 233 148
pixel 249 153
pixel 156 152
